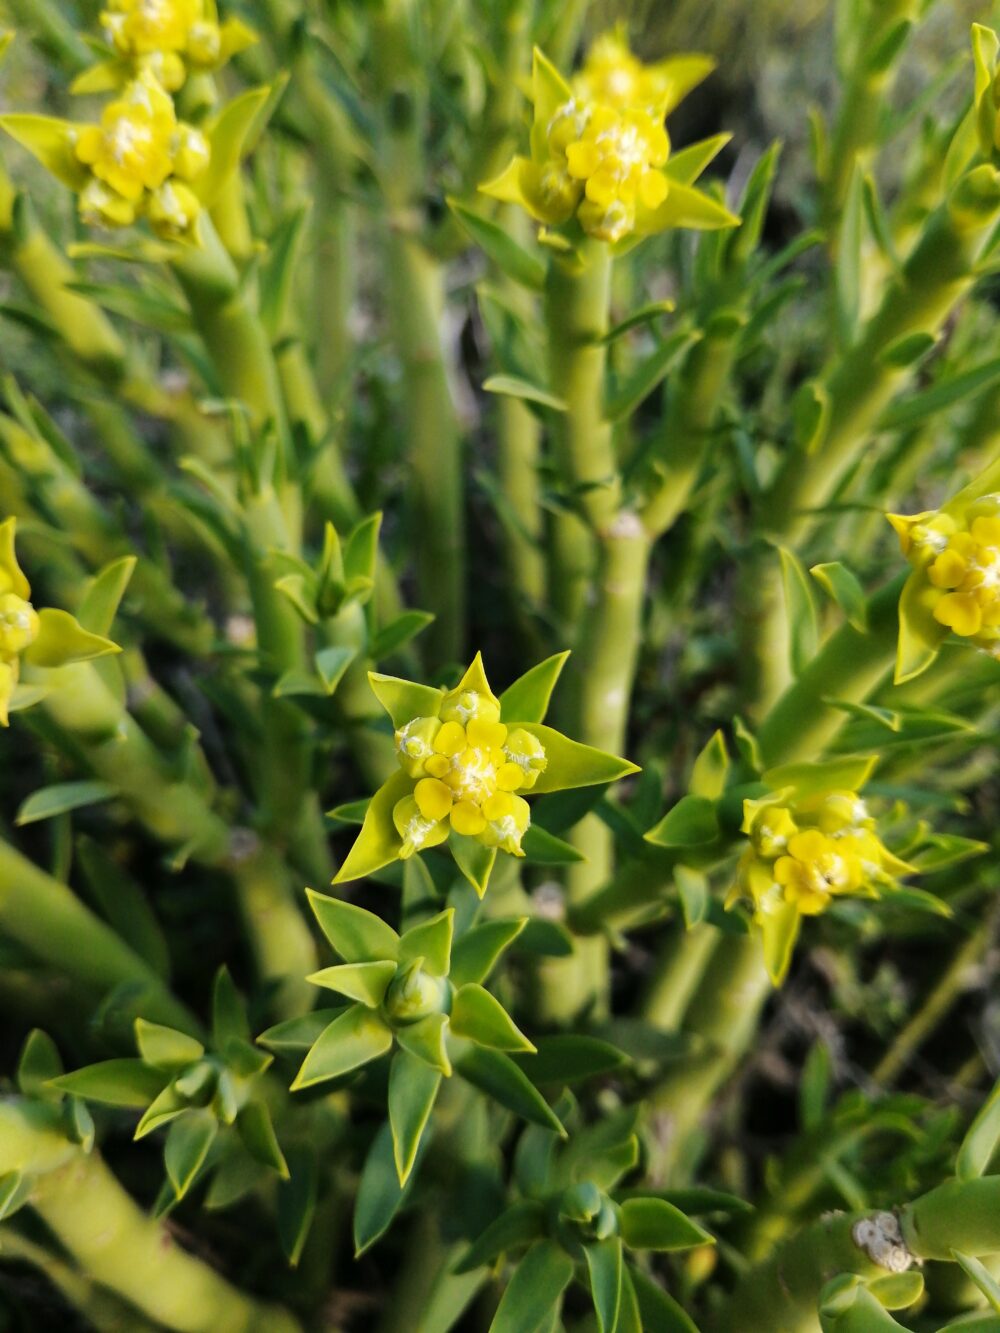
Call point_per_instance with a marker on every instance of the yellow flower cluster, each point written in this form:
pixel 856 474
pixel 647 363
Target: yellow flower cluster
pixel 960 558
pixel 811 852
pixel 469 767
pixel 142 160
pixel 168 37
pixel 611 158
pixel 19 623
pixel 614 76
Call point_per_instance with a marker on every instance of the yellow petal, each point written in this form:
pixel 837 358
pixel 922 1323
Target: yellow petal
pixel 467 819
pixel 433 798
pixel 960 613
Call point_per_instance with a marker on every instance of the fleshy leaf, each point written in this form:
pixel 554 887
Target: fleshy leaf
pixel 604 1263
pixel 114 1083
pixel 165 1048
pixel 685 167
pixel 685 206
pixel 380 1194
pixel 257 1133
pixel 50 140
pixel 357 935
pixel 779 928
pixel 431 941
pixel 654 1224
pixel 804 780
pixel 62 640
pixel 920 635
pixel 981 1139
pixel 11 575
pixel 404 700
pixel 476 953
pixel 38 1066
pixel 527 699
pixel 103 596
pixel 479 1016
pixel 534 1292
pixel 378 844
pixel 231 136
pixel 365 982
pixel 352 1040
pixel 188 1141
pixel 427 1041
pixel 475 860
pixel 413 1087
pixel 692 822
pixel 549 91
pixel 570 764
pixel 518 1225
pixel 499 1077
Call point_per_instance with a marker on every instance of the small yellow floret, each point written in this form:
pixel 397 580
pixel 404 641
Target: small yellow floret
pixel 433 798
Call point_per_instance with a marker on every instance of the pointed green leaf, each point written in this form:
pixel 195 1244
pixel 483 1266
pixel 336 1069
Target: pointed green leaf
pixel 361 554
pixel 693 891
pixel 430 941
pixel 920 635
pixel 692 822
pixel 628 396
pixel 800 610
pixel 604 1264
pixel 708 774
pixel 404 700
pixel 686 166
pixel 62 797
pixel 51 141
pixel 61 641
pixel 480 1017
pixel 413 1087
pixel 810 416
pixel 647 314
pixel 569 1058
pixel 499 1077
pixel 779 928
pixel 535 1291
pixel 427 1040
pixel 527 699
pixel 978 1273
pixel 231 136
pixel 357 935
pixel 838 581
pixel 685 206
pixel 515 386
pixel 38 1066
pixel 15 1191
pixel 165 1048
pixel 229 1017
pixel 366 982
pixel 898 1291
pixel 399 632
pixel 654 1224
pixel 166 1106
pixel 380 1195
pixel 657 1308
pixel 378 843
pixel 981 1139
pixel 352 1040
pixel 188 1141
pixel 542 848
pixel 123 903
pixel 849 773
pixel 297 1201
pixel 103 596
pixel 331 663
pixel 253 1123
pixel 473 859
pixel 297 1034
pixel 114 1083
pixel 517 1226
pixel 510 258
pixel 475 954
pixel 571 764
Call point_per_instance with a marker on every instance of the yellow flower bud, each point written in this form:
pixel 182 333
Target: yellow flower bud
pixel 18 625
pixel 416 832
pixel 173 210
pixel 463 706
pixel 204 44
pixel 527 751
pixel 415 746
pixel 100 206
pixel 508 818
pixel 191 152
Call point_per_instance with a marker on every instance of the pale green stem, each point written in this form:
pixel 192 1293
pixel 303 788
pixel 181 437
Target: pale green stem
pixel 722 1017
pixel 782 1292
pixel 114 1242
pixel 679 970
pixel 937 1005
pixel 48 919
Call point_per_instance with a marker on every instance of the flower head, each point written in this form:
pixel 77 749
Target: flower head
pixel 955 583
pixel 168 37
pixel 616 77
pixel 601 160
pixel 466 760
pixel 37 638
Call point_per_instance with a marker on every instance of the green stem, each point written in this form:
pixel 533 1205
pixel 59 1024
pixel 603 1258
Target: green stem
pixel 176 812
pixel 48 919
pixel 577 305
pixel 937 1005
pixel 679 970
pixel 782 1292
pixel 722 1018
pixel 114 1242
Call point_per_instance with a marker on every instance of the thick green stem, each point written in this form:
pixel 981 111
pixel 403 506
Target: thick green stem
pixel 577 305
pixel 722 1018
pixel 48 919
pixel 176 811
pixel 679 970
pixel 848 667
pixel 114 1242
pixel 782 1292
